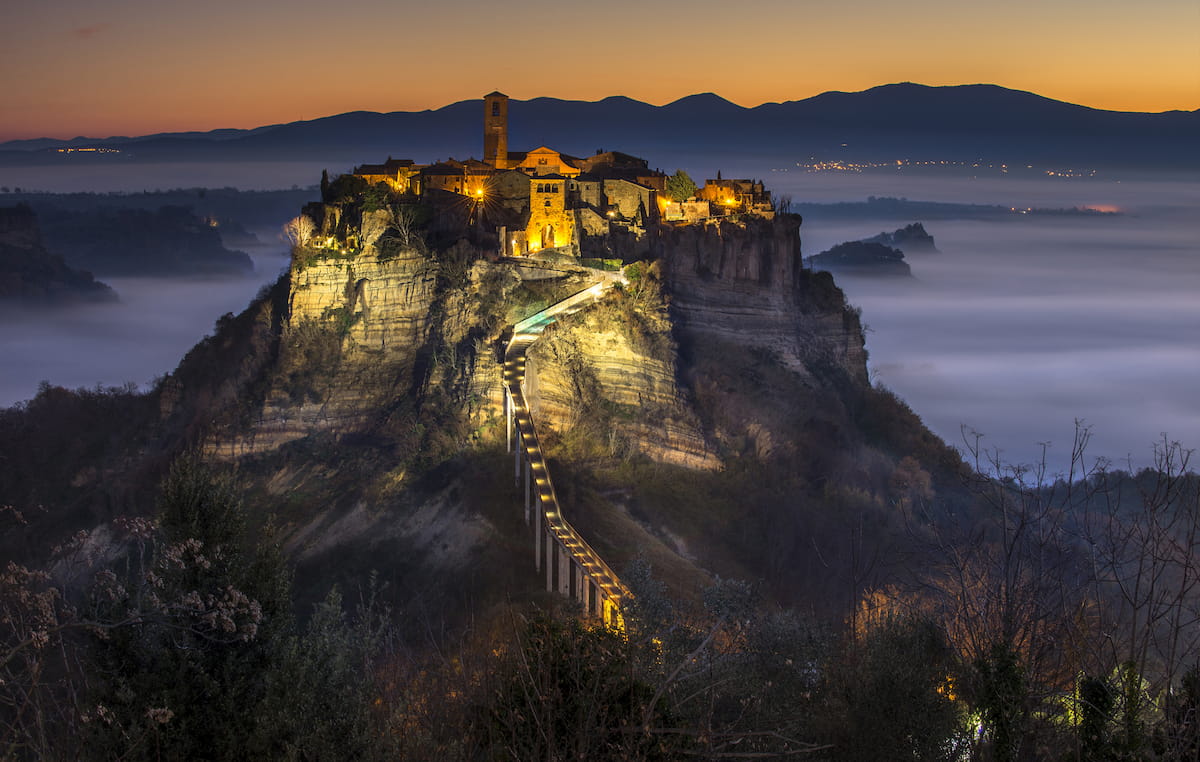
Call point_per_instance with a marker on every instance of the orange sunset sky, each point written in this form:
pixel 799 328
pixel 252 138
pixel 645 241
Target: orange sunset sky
pixel 130 67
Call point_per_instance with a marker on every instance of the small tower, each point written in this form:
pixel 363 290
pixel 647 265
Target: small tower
pixel 495 130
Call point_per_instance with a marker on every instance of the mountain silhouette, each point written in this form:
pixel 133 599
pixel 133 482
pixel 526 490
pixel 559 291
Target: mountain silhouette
pixel 898 121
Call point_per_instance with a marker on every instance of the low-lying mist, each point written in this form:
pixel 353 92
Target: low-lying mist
pixel 135 340
pixel 1022 325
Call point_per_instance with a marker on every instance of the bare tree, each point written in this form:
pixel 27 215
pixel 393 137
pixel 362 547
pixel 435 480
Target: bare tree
pixel 404 221
pixel 1143 532
pixel 1008 586
pixel 299 230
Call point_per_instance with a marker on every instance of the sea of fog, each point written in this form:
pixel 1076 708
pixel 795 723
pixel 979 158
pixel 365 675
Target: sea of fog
pixel 135 340
pixel 1021 326
pixel 1016 329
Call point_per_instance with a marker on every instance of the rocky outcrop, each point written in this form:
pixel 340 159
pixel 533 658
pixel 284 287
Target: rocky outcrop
pixel 366 335
pixel 910 239
pixel 745 283
pixel 378 306
pixel 29 274
pixel 593 367
pixel 863 258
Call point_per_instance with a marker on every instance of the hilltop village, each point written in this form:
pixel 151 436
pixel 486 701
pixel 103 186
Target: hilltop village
pixel 541 199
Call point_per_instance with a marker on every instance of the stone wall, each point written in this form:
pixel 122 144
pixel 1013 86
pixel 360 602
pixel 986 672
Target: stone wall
pixel 631 200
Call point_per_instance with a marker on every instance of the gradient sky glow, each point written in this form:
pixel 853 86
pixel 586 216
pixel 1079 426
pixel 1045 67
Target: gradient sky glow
pixel 131 67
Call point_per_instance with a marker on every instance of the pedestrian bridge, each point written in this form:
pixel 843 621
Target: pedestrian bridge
pixel 572 567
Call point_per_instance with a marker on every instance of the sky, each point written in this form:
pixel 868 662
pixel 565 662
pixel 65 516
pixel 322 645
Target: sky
pixel 133 67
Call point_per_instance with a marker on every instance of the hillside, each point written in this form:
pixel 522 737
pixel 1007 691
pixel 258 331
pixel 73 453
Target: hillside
pixel 32 275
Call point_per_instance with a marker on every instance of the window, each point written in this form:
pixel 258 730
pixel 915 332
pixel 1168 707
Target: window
pixel 495 108
pixel 547 202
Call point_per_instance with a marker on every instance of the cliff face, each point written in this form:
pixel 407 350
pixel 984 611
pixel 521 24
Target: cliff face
pixel 613 368
pixel 745 284
pixel 375 337
pixel 368 336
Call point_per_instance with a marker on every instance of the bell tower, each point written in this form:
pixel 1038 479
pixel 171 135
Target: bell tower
pixel 495 130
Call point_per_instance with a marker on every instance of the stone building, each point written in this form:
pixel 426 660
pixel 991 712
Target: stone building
pixel 729 196
pixel 550 226
pixel 561 197
pixel 397 174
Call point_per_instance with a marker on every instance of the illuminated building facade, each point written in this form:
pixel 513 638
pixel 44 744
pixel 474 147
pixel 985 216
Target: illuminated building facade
pixel 561 197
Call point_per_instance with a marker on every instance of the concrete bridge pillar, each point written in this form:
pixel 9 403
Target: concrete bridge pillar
pixel 508 416
pixel 517 461
pixel 537 536
pixel 528 488
pixel 549 561
pixel 564 571
pixel 577 581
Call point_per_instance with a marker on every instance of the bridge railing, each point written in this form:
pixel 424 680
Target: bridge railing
pixel 551 509
pixel 590 564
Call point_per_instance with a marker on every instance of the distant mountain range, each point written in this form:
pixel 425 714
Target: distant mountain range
pixel 900 121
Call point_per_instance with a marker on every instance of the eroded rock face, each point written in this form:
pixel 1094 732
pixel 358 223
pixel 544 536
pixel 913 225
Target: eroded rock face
pixel 589 363
pixel 367 334
pixel 745 283
pixel 378 305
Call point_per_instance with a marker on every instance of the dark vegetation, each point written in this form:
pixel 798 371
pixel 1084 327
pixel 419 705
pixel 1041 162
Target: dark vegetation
pixel 176 639
pixel 168 241
pixel 681 186
pixel 862 258
pixel 236 213
pixel 32 276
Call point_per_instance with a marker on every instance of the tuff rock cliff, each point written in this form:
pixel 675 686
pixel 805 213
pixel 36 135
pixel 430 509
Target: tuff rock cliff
pixel 615 368
pixel 745 283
